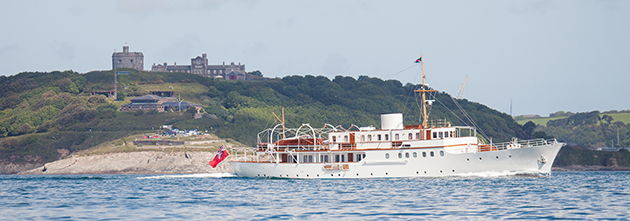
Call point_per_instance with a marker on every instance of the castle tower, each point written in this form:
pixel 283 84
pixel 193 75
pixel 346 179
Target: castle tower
pixel 126 59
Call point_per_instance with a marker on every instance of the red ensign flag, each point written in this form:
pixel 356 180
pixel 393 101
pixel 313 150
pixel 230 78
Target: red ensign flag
pixel 221 155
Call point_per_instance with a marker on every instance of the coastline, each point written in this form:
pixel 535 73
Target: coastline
pixel 173 162
pixel 141 162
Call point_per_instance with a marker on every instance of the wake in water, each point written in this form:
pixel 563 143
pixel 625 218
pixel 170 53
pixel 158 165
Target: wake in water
pixel 202 175
pixel 492 174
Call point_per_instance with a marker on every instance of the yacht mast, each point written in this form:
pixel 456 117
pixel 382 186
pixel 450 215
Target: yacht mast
pixel 423 92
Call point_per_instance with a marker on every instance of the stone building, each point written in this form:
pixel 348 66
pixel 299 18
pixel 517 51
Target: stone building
pixel 161 104
pixel 126 59
pixel 200 66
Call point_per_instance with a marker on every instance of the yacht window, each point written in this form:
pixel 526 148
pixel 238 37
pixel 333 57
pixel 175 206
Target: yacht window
pixel 441 135
pixel 334 139
pixel 410 136
pixel 399 155
pixel 434 134
pixel 386 136
pixel 305 159
pixel 363 156
pixel 362 137
pixel 321 158
pixel 379 137
pixel 406 155
pixel 359 157
pixel 369 137
pixel 386 155
pixel 415 155
pixel 310 158
pixel 326 158
pixel 337 157
pixel 441 153
pixel 397 137
pixel 424 154
pixel 432 154
pixel 451 134
pixel 343 158
pixel 417 136
pixel 345 138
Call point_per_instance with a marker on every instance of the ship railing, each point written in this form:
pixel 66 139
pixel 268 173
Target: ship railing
pixel 300 147
pixel 439 123
pixel 516 143
pixel 248 154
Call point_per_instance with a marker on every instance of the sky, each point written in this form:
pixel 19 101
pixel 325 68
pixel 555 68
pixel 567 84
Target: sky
pixel 537 57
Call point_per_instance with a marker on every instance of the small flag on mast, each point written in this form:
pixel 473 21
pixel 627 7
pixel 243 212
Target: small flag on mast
pixel 418 60
pixel 221 155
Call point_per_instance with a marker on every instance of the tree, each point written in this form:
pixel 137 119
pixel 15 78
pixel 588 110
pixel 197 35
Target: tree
pixel 25 128
pixel 10 102
pixel 120 97
pixel 256 73
pixel 529 127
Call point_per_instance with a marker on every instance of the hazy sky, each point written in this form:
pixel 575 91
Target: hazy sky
pixel 545 55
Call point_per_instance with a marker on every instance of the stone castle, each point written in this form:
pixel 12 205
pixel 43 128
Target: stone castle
pixel 126 59
pixel 198 65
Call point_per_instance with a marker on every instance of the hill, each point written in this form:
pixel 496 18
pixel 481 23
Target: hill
pixel 43 116
pixel 618 116
pixel 589 129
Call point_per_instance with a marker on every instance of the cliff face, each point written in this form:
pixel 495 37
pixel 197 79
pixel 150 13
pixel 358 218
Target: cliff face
pixel 135 162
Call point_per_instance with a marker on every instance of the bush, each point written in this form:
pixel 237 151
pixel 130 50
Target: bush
pixel 45 127
pixel 152 112
pixel 138 113
pixel 25 128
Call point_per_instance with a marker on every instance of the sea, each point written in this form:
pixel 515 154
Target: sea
pixel 562 195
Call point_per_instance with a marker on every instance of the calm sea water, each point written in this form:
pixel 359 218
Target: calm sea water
pixel 563 195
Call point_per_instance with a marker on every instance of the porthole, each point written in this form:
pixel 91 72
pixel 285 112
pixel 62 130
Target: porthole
pixel 306 175
pixel 432 154
pixel 417 172
pixel 425 172
pixel 339 174
pixel 280 175
pixel 371 174
pixel 467 159
pixel 453 171
pixel 386 173
pixel 386 155
pixel 440 171
pixel 497 157
pixel 415 155
pixel 317 175
pixel 399 155
pixel 332 174
pixel 424 154
pixel 479 158
pixel 297 175
pixel 407 155
pixel 441 153
pixel 357 174
pixel 510 156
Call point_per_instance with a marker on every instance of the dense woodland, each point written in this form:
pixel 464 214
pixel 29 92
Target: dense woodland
pixel 43 115
pixel 589 129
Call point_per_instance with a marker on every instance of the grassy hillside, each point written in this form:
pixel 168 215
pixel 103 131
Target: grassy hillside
pixel 539 121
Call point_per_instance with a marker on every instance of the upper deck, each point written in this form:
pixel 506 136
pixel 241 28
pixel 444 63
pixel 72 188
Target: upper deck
pixel 307 138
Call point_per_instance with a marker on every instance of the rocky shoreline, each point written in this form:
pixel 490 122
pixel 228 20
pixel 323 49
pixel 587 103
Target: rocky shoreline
pixel 142 162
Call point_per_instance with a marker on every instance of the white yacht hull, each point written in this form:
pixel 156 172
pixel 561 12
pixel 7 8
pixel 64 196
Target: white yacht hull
pixel 536 160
